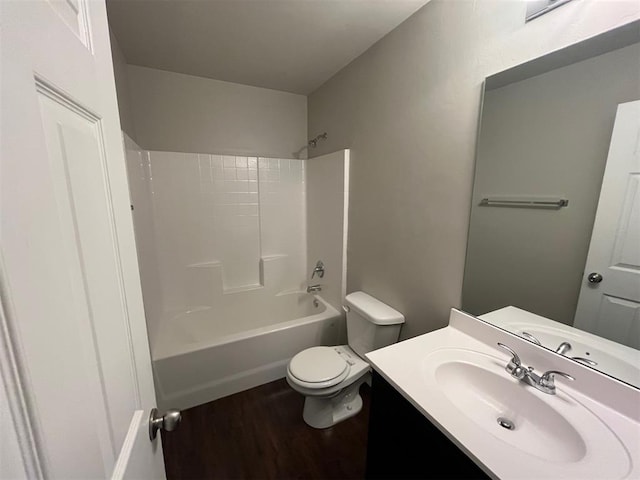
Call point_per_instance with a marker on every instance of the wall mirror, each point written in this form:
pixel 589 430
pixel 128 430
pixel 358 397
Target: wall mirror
pixel 553 252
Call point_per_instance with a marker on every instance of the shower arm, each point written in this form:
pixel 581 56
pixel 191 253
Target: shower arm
pixel 314 141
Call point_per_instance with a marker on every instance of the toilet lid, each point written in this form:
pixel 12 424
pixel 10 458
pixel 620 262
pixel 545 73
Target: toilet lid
pixel 319 365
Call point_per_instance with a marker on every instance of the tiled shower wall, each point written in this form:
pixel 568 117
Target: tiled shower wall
pixel 138 174
pixel 228 213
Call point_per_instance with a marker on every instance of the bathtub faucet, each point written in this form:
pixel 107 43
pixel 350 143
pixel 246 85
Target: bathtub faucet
pixel 314 288
pixel 319 269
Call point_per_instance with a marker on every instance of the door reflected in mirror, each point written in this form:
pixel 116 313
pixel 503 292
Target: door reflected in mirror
pixel 555 216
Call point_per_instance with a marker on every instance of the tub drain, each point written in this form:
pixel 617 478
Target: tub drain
pixel 506 423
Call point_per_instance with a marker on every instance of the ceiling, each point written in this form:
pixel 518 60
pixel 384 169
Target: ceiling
pixel 289 45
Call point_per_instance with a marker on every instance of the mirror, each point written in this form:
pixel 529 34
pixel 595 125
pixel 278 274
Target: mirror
pixel 546 141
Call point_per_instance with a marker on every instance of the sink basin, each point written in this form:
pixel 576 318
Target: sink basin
pixel 486 397
pixel 554 429
pixel 456 378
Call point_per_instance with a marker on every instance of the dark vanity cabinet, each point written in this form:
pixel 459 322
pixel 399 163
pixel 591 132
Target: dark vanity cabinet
pixel 402 443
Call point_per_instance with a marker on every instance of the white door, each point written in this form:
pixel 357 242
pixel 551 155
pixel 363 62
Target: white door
pixel 73 342
pixel 609 302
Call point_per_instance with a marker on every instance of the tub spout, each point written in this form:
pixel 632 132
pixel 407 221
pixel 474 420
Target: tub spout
pixel 314 288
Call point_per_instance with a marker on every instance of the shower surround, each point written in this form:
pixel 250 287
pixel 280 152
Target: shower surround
pixel 222 245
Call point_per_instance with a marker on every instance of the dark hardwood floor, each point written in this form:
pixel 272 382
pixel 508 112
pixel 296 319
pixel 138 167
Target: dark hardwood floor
pixel 260 434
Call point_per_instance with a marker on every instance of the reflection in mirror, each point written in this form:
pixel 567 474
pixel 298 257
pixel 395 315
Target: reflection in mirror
pixel 554 236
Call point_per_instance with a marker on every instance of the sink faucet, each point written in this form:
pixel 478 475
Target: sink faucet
pixel 562 349
pixel 314 288
pixel 545 382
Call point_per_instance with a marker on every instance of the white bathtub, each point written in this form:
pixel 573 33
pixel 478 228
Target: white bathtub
pixel 204 354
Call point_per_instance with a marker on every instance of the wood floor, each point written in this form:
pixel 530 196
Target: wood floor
pixel 260 434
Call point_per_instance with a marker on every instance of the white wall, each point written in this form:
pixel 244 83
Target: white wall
pixel 182 113
pixel 327 222
pixel 122 87
pixel 408 110
pixel 544 136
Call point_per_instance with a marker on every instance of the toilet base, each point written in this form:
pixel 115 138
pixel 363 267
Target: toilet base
pixel 325 412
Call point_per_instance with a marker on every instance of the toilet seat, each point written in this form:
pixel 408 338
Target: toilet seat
pixel 318 367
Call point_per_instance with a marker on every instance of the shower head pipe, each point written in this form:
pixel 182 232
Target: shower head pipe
pixel 314 141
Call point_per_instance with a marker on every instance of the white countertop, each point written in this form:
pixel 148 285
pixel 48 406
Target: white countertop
pixel 405 365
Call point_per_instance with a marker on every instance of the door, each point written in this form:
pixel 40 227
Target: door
pixel 75 357
pixel 609 302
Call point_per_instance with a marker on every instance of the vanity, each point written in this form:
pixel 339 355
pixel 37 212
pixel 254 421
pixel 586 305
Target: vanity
pixel 403 442
pixel 541 379
pixel 449 404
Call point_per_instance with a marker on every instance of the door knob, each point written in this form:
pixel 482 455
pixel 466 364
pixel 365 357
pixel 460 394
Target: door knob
pixel 594 277
pixel 167 422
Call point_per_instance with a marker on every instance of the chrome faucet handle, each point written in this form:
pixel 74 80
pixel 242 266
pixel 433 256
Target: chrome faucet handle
pixel 547 380
pixel 530 337
pixel 586 361
pixel 514 367
pixel 319 269
pixel 516 358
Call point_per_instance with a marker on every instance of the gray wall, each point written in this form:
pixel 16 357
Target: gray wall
pixel 545 136
pixel 182 113
pixel 408 110
pixel 122 87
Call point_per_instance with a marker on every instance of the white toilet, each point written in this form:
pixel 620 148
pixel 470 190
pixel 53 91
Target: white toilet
pixel 330 377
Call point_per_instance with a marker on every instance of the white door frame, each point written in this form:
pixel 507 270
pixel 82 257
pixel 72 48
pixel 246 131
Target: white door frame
pixel 24 437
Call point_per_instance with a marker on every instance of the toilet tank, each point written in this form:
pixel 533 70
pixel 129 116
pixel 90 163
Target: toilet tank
pixel 371 324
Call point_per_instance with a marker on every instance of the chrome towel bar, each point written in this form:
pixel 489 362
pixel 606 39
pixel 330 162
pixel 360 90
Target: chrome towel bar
pixel 525 202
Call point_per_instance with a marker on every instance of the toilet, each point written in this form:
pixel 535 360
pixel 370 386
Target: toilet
pixel 330 377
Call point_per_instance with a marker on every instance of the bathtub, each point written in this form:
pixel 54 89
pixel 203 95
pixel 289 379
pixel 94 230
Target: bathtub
pixel 205 353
